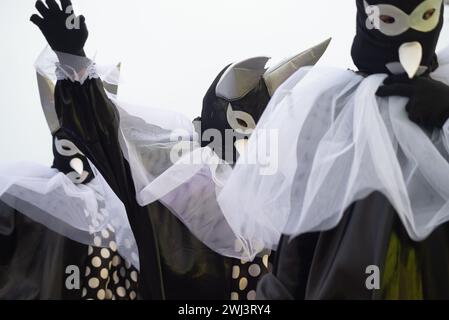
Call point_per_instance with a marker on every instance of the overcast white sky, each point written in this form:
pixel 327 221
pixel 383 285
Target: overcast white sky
pixel 185 44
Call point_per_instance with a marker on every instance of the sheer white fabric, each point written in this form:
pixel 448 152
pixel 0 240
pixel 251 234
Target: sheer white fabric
pixel 87 213
pixel 60 66
pixel 168 165
pixel 338 143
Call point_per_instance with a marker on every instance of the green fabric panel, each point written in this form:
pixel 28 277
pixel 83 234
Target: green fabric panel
pixel 402 279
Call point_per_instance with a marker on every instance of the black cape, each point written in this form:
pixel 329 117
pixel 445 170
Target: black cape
pixel 333 264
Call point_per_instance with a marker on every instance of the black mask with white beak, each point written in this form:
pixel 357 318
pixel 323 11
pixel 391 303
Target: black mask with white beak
pixel 239 95
pixel 397 36
pixel 69 160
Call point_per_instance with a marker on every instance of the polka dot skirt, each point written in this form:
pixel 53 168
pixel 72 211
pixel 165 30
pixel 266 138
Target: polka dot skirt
pixel 107 275
pixel 246 275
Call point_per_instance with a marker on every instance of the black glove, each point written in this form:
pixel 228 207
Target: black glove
pixel 64 32
pixel 429 99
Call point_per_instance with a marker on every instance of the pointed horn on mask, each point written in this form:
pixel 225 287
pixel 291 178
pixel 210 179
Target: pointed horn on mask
pixel 240 78
pixel 410 56
pixel 276 76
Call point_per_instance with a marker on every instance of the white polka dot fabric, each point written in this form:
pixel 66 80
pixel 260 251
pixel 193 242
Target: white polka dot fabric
pixel 107 275
pixel 246 275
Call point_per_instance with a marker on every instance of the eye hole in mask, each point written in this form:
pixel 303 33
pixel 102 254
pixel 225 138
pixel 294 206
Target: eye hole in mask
pixel 242 122
pixel 429 14
pixel 387 19
pixel 66 148
pixel 392 21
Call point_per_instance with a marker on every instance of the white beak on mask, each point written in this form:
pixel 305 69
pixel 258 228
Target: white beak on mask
pixel 410 56
pixel 77 165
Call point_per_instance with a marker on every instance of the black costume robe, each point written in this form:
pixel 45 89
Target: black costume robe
pixel 333 264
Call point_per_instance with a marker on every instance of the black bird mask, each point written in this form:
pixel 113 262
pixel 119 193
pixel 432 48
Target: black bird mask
pixel 397 36
pixel 239 95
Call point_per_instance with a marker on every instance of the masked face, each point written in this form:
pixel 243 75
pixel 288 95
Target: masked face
pixel 239 95
pixel 227 121
pixel 69 160
pixel 397 36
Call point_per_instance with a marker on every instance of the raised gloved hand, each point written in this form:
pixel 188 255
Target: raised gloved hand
pixel 63 30
pixel 429 99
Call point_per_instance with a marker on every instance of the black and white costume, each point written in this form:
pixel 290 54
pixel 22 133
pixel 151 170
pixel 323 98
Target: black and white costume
pixel 361 177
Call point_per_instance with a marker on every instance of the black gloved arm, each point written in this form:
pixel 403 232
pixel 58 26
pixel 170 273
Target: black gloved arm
pixel 64 31
pixel 86 114
pixel 428 104
pixel 83 109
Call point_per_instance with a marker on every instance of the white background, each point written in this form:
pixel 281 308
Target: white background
pixel 171 51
